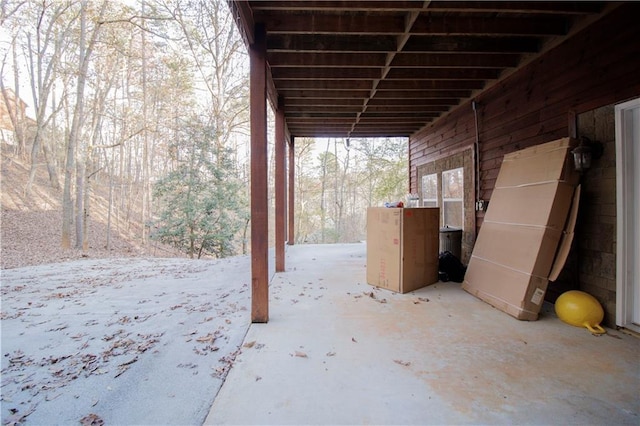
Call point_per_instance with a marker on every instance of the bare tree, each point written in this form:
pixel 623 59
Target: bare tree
pixel 51 36
pixel 85 49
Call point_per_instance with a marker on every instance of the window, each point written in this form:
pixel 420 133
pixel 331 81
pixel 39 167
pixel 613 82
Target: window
pixel 452 198
pixel 430 190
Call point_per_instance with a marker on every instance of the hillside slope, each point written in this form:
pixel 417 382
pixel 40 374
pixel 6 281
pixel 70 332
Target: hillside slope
pixel 31 226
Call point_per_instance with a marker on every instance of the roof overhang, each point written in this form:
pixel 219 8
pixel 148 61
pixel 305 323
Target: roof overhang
pixel 389 68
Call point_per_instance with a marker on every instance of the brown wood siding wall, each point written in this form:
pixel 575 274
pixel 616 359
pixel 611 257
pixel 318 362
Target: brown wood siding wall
pixel 597 67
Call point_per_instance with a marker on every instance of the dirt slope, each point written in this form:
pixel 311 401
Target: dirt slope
pixel 31 225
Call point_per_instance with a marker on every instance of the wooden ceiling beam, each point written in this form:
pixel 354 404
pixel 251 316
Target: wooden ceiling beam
pixel 323 94
pixel 408 127
pixel 418 102
pixel 415 84
pixel 405 108
pixel 422 94
pixel 313 120
pixel 301 102
pixel 393 120
pixel 337 110
pixel 384 133
pixel 443 73
pixel 333 59
pixel 400 82
pixel 534 7
pixel 455 60
pixel 417 115
pixel 309 5
pixel 326 73
pixel 284 84
pixel 312 109
pixel 332 23
pixel 483 26
pixel 344 121
pixel 470 44
pixel 331 43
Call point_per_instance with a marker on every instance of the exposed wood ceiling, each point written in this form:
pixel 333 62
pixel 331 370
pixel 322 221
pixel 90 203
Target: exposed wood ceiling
pixel 388 68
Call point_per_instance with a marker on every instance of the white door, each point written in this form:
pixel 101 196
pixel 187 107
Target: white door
pixel 628 212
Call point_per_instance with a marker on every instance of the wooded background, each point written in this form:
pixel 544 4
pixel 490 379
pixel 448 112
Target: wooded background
pixel 143 107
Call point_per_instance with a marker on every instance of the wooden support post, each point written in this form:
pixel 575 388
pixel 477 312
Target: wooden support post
pixel 292 173
pixel 259 200
pixel 280 190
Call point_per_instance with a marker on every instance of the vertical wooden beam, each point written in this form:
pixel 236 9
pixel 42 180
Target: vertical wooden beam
pixel 280 183
pixel 259 200
pixel 292 174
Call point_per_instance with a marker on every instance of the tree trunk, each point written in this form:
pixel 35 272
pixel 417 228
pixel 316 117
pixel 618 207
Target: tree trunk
pixel 323 207
pixel 86 210
pixel 80 177
pixel 78 118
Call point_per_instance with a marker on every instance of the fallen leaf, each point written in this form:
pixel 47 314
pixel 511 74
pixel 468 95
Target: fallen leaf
pixel 91 420
pixel 331 354
pixel 18 418
pixel 131 361
pixel 209 338
pixel 353 339
pixel 249 344
pixel 403 363
pixel 301 354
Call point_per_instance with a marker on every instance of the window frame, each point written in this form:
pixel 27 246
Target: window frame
pixel 446 200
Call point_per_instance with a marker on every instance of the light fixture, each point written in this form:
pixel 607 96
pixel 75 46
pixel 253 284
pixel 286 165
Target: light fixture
pixel 585 152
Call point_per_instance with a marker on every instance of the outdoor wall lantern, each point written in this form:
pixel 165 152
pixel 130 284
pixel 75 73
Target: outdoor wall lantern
pixel 585 152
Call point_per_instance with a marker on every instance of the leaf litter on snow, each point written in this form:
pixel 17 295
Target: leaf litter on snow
pixel 105 334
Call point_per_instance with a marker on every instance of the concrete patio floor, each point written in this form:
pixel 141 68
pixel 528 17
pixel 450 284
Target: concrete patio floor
pixel 338 351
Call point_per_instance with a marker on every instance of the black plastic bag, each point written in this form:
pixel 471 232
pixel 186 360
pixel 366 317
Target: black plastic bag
pixel 450 267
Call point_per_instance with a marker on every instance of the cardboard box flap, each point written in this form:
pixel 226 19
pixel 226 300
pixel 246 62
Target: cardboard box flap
pixel 567 238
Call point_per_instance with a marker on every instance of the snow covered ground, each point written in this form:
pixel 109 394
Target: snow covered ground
pixel 120 341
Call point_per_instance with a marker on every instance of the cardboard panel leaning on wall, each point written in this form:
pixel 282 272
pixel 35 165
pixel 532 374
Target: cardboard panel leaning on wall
pixel 531 205
pixel 514 255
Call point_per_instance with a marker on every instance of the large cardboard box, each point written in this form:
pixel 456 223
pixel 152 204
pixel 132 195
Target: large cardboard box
pixel 527 230
pixel 402 247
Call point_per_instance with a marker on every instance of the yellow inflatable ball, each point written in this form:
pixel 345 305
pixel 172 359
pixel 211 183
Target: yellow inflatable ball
pixel 581 310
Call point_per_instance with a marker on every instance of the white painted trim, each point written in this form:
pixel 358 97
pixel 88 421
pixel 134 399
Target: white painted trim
pixel 624 212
